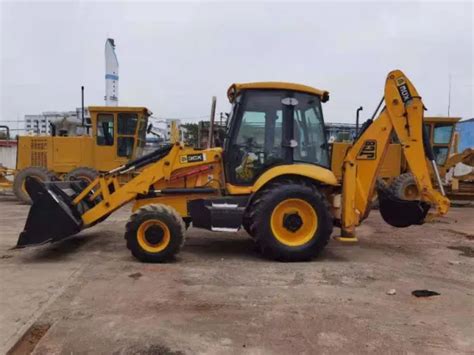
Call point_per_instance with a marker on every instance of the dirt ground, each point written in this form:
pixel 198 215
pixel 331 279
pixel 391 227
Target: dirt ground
pixel 89 295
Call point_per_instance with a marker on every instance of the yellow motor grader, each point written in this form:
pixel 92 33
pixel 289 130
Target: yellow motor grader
pixel 273 177
pixel 115 135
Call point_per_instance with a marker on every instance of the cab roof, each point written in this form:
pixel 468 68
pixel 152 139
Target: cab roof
pixel 137 109
pixel 441 119
pixel 236 88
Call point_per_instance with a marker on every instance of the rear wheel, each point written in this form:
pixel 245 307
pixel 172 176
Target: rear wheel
pixel 155 233
pixel 404 187
pixel 290 221
pixel 40 173
pixel 82 173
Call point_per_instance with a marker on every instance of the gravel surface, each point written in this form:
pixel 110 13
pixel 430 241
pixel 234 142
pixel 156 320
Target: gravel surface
pixel 89 295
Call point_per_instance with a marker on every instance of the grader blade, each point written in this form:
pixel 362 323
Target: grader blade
pixel 51 217
pixel 400 213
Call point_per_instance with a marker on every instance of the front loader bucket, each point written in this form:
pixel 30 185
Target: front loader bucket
pixel 400 213
pixel 52 217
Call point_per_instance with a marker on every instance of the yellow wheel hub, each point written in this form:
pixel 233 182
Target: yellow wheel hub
pixel 294 222
pixel 153 236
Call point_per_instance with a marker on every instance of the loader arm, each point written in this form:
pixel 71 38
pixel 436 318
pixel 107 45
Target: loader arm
pixel 402 115
pixel 56 214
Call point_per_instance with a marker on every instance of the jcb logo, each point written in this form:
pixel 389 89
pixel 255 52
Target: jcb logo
pixel 368 151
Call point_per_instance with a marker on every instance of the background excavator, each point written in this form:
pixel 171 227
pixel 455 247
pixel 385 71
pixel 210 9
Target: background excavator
pixel 273 177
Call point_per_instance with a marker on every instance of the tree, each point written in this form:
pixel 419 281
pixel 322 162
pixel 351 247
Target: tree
pixel 190 133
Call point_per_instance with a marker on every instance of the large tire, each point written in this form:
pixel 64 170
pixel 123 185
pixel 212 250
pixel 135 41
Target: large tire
pixel 246 222
pixel 155 233
pixel 82 173
pixel 37 172
pixel 404 187
pixel 290 220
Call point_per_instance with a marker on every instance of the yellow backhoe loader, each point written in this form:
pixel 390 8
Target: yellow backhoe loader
pixel 272 178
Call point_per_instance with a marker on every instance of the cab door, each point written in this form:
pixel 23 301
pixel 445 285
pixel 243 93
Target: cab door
pixel 256 137
pixel 127 123
pixel 105 141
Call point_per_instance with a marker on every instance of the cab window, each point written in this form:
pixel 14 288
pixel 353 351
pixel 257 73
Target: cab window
pixel 309 131
pixel 105 129
pixel 142 125
pixel 126 127
pixel 125 146
pixel 127 123
pixel 442 134
pixel 441 154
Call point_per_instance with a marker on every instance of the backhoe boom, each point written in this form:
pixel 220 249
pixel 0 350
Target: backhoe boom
pixel 403 116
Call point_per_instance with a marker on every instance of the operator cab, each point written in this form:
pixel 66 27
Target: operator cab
pixel 120 131
pixel 273 124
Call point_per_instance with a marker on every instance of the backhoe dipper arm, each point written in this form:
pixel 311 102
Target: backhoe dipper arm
pixel 403 115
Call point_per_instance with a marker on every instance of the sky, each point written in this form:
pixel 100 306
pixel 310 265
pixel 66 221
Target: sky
pixel 174 56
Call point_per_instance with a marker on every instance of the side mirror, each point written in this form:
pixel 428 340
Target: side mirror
pixel 149 128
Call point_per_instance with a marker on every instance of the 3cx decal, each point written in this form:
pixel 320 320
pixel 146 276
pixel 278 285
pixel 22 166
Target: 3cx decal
pixel 403 90
pixel 368 150
pixel 191 158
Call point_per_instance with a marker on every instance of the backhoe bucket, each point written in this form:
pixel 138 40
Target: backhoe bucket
pixel 400 213
pixel 52 217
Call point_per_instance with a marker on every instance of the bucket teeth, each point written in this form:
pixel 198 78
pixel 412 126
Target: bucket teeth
pixel 51 217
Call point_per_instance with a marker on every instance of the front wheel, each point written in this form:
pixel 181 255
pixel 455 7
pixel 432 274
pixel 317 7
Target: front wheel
pixel 155 233
pixel 291 221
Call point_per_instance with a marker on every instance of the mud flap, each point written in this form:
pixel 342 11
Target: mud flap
pixel 51 217
pixel 400 213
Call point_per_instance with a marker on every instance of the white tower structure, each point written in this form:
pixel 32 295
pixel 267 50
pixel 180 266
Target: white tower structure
pixel 111 74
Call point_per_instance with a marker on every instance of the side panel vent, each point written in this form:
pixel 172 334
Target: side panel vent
pixel 39 152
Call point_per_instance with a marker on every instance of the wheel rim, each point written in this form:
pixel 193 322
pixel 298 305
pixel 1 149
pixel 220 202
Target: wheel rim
pixel 294 222
pixel 410 192
pixel 153 236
